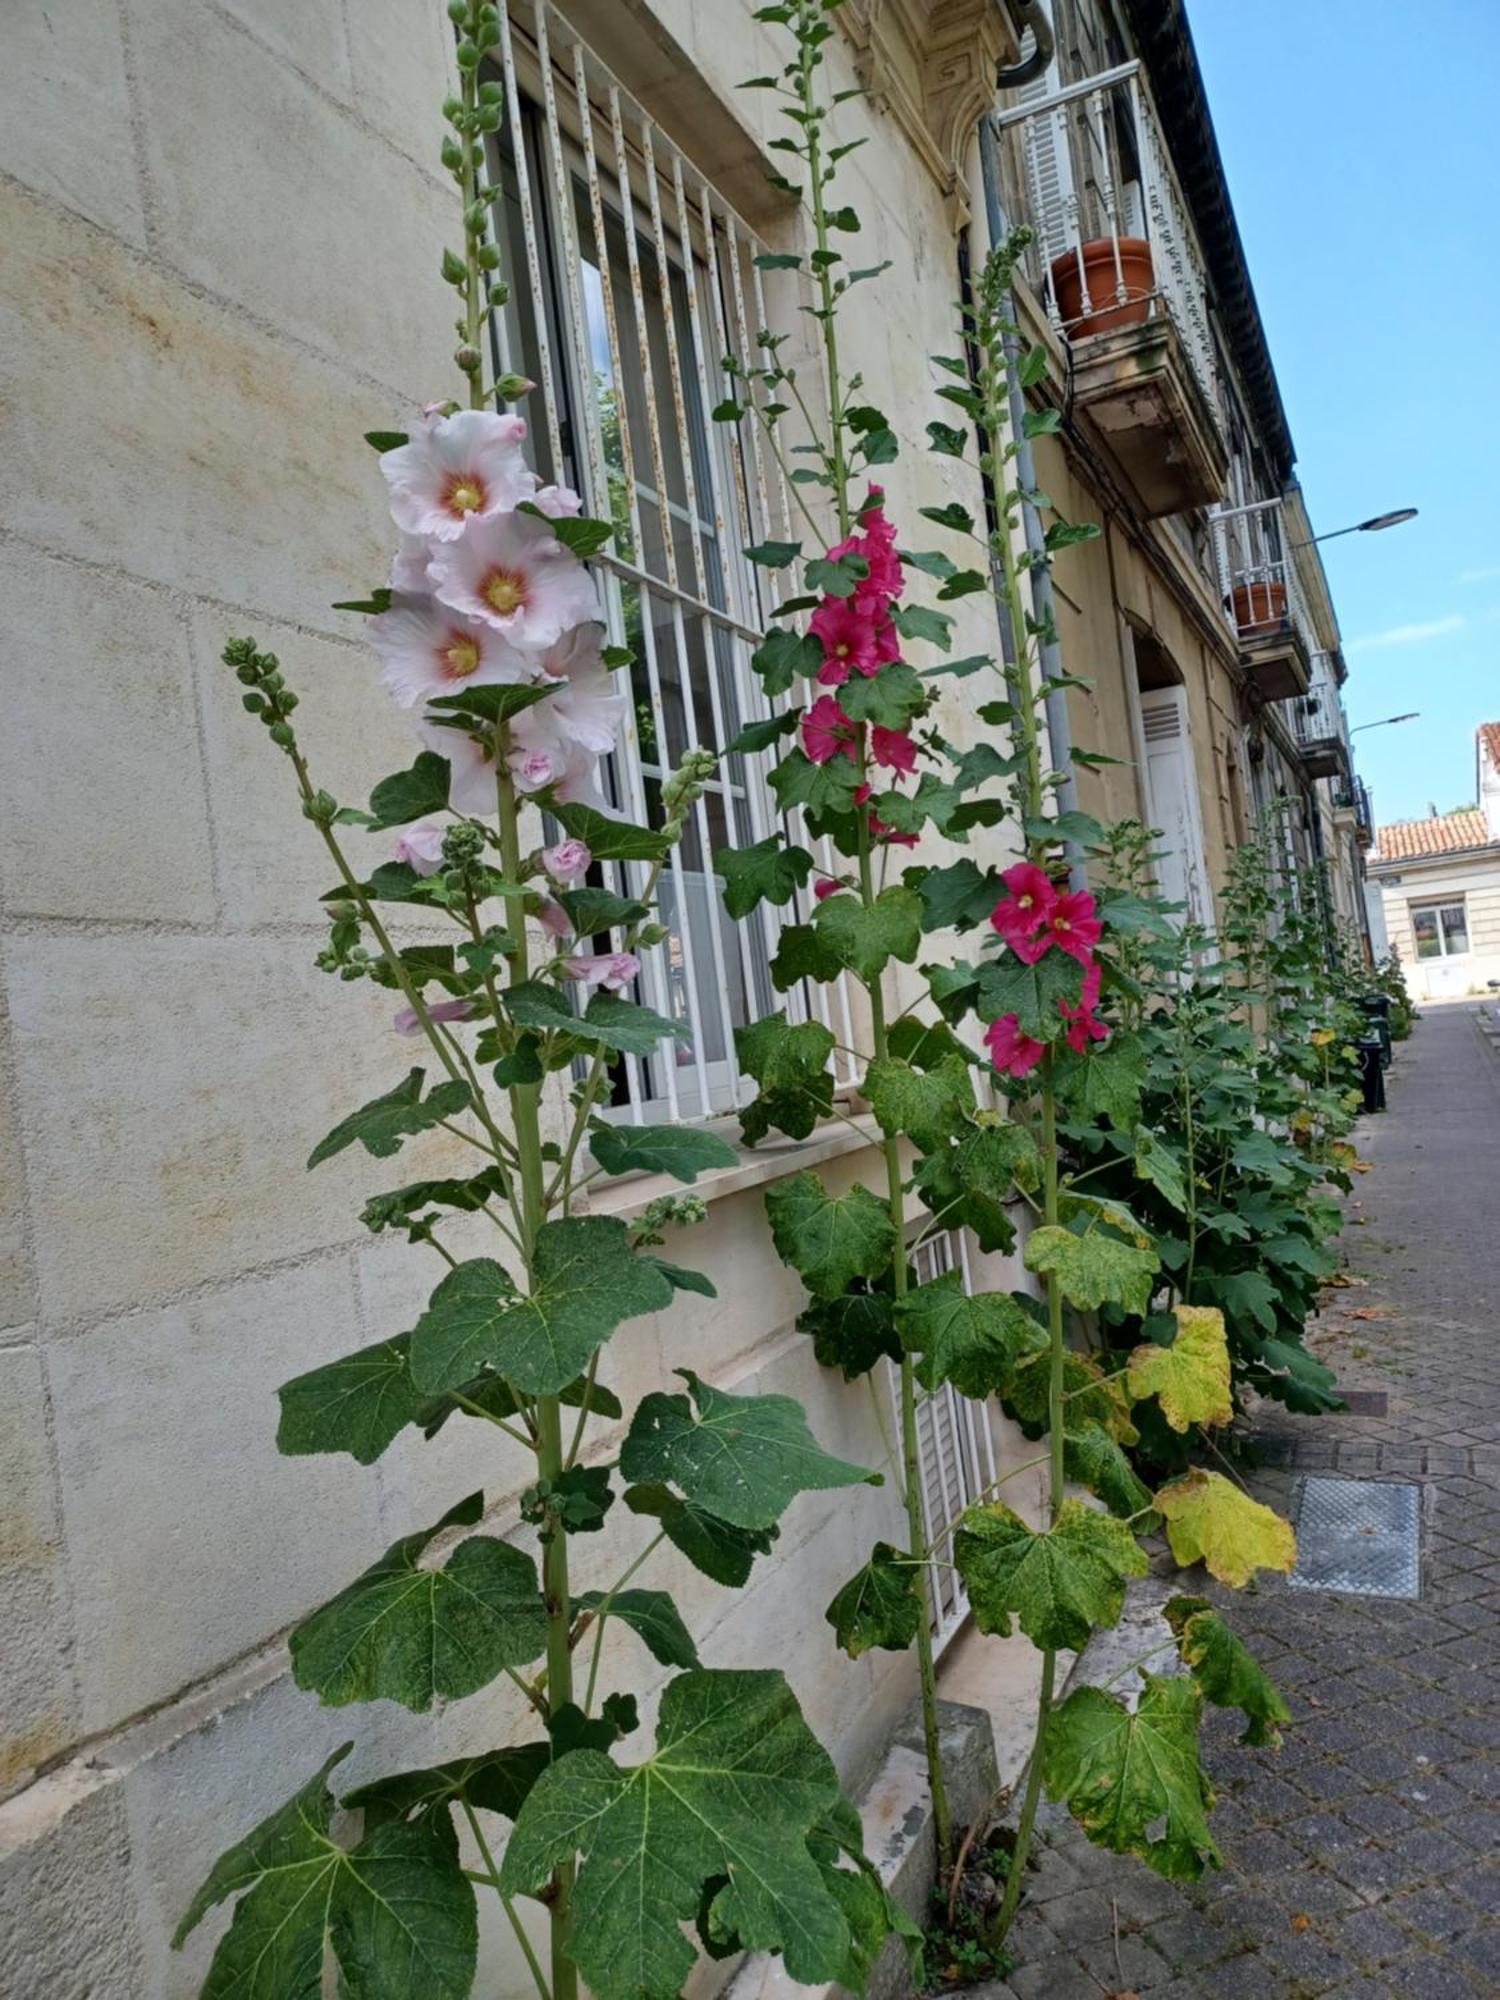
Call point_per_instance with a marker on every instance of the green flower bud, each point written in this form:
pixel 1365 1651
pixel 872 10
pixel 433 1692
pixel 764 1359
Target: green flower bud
pixel 452 156
pixel 489 257
pixel 248 672
pixel 468 55
pixel 513 387
pixel 458 12
pixel 281 732
pixel 489 117
pixel 468 359
pixel 254 702
pixel 452 109
pixel 491 93
pixel 455 270
pixel 288 701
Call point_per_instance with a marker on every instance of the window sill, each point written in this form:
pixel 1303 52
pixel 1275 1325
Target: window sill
pixel 770 1161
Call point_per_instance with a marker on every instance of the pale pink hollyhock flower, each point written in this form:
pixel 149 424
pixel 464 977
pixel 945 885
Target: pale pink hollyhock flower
pixel 421 848
pixel 471 767
pixel 586 710
pixel 513 573
pixel 428 650
pixel 407 1022
pixel 554 918
pixel 611 969
pixel 534 770
pixel 557 502
pixel 409 565
pixel 456 470
pixel 568 862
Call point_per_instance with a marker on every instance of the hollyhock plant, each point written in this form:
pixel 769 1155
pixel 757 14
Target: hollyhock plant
pixel 894 750
pixel 456 470
pixel 1072 926
pixel 827 732
pixel 850 639
pixel 421 848
pixel 428 650
pixel 568 862
pixel 613 970
pixel 511 572
pixel 1012 1053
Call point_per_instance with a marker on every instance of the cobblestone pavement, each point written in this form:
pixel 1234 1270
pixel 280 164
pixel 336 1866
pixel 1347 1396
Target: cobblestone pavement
pixel 1362 1860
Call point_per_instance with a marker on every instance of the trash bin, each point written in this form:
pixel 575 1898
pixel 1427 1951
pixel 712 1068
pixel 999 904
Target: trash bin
pixel 1371 1072
pixel 1376 1008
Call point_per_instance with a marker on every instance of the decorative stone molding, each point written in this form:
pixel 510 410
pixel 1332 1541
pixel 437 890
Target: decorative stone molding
pixel 930 64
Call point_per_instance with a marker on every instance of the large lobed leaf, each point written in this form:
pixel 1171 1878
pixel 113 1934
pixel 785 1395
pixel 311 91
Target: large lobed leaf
pixel 867 938
pixel 1093 1268
pixel 1226 1670
pixel 718 1548
pixel 1061 1584
pixel 852 1332
pixel 408 1634
pixel 830 1240
pixel 1124 1774
pixel 1190 1379
pixel 1210 1520
pixel 382 1124
pixel 737 1785
pixel 971 1339
pixel 743 1459
pixel 881 1604
pixel 790 1063
pixel 396 1910
pixel 921 1105
pixel 683 1151
pixel 586 1279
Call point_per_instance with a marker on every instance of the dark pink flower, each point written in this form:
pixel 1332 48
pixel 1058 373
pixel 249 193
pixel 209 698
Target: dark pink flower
pixel 848 638
pixel 894 749
pixel 880 831
pixel 826 886
pixel 1073 927
pixel 827 732
pixel 1019 916
pixel 1083 1027
pixel 1012 1053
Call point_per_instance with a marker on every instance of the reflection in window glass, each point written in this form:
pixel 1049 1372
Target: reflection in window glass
pixel 1440 930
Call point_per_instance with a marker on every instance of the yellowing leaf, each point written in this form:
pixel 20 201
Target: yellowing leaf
pixel 1190 1378
pixel 1061 1584
pixel 1209 1520
pixel 1133 1781
pixel 1228 1673
pixel 1093 1269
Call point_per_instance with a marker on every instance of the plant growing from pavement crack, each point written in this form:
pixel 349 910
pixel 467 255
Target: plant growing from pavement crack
pixel 869 728
pixel 490 629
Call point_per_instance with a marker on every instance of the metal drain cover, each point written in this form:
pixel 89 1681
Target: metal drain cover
pixel 1357 1536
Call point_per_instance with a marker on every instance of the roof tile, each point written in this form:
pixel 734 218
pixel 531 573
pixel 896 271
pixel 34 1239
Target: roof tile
pixel 1449 833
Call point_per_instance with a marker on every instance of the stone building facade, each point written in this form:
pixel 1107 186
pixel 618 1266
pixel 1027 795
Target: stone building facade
pixel 222 221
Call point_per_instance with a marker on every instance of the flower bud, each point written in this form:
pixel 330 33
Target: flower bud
pixel 468 55
pixel 452 155
pixel 513 387
pixel 248 672
pixel 452 109
pixel 491 93
pixel 455 270
pixel 468 359
pixel 253 701
pixel 458 12
pixel 281 732
pixel 488 257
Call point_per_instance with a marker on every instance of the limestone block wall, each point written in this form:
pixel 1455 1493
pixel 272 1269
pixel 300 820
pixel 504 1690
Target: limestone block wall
pixel 221 222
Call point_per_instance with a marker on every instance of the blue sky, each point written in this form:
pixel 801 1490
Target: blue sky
pixel 1362 146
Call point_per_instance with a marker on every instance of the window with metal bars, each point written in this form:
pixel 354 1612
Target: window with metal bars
pixel 957 1451
pixel 630 279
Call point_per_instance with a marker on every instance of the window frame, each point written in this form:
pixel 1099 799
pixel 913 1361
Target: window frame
pixel 1440 936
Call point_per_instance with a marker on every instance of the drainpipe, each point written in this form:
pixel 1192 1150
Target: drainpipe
pixel 1059 729
pixel 1028 14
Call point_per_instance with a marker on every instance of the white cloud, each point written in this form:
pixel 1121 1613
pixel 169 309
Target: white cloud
pixel 1481 575
pixel 1407 635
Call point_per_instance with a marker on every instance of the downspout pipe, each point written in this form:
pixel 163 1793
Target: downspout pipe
pixel 1028 14
pixel 1043 603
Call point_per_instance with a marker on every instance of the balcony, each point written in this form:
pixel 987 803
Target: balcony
pixel 1263 600
pixel 1352 799
pixel 1318 728
pixel 1116 266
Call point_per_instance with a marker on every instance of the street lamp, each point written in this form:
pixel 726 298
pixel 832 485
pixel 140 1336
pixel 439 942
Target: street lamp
pixel 1410 716
pixel 1373 526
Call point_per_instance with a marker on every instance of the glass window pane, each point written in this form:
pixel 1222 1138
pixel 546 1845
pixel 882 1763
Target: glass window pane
pixel 1455 928
pixel 1425 931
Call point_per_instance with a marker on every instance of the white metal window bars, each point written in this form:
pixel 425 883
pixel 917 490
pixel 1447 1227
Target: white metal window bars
pixel 1093 165
pixel 957 1453
pixel 1258 576
pixel 631 278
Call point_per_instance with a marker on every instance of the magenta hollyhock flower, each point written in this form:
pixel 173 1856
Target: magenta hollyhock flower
pixel 1012 1053
pixel 511 572
pixel 1083 1026
pixel 880 831
pixel 894 749
pixel 612 970
pixel 827 732
pixel 1073 927
pixel 407 1022
pixel 878 548
pixel 1017 915
pixel 826 886
pixel 421 848
pixel 847 636
pixel 568 862
pixel 458 469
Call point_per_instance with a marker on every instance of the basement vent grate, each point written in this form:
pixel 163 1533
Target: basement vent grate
pixel 1358 1536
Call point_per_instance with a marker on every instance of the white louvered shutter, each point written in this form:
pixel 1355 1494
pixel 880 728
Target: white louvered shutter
pixel 1170 779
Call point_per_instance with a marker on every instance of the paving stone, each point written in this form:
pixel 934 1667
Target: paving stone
pixel 1055 1978
pixel 1304 1956
pixel 1429 1852
pixel 1431 1913
pixel 1480 1886
pixel 1368 1936
pixel 1378 1812
pixel 1188 1943
pixel 1482 1948
pixel 1131 1966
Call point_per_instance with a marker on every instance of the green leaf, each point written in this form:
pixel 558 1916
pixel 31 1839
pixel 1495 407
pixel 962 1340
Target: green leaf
pixel 881 1605
pixel 413 794
pixel 790 1063
pixel 576 1501
pixel 382 1124
pixel 761 735
pixel 737 1783
pixel 1093 1396
pixel 889 698
pixel 802 953
pixel 497 1398
pixel 1061 1584
pixel 781 656
pixel 947 439
pixel 1190 1379
pixel 586 1279
pixel 1091 1456
pixel 614 1023
pixel 743 1459
pixel 829 1240
pixel 1041 423
pixel 972 1340
pixel 851 1332
pixel 1031 992
pixel 358 1404
pixel 972 1181
pixel 682 1280
pixel 1093 1269
pixel 1158 1163
pixel 868 938
pixel 1107 1082
pixel 404 1205
pixel 1226 1670
pixel 396 1910
pixel 1210 1520
pixel 400 1633
pixel 386 440
pixel 956 897
pixel 798 781
pixel 1244 1295
pixel 951 516
pixel 654 1619
pixel 1123 1774
pixel 718 1548
pixel 918 621
pixel 836 576
pixel 495 1781
pixel 372 606
pixel 594 910
pixel 492 702
pixel 771 872
pixel 924 1105
pixel 682 1151
pixel 608 838
pixel 774 555
pixel 1064 534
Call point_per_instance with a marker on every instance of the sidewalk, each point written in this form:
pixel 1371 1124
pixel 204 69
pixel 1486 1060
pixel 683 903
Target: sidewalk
pixel 1362 1860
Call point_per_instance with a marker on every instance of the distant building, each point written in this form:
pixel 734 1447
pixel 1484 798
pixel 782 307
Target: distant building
pixel 1439 883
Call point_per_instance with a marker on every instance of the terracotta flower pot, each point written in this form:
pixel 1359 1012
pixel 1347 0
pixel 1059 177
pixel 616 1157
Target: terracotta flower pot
pixel 1258 608
pixel 1105 310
